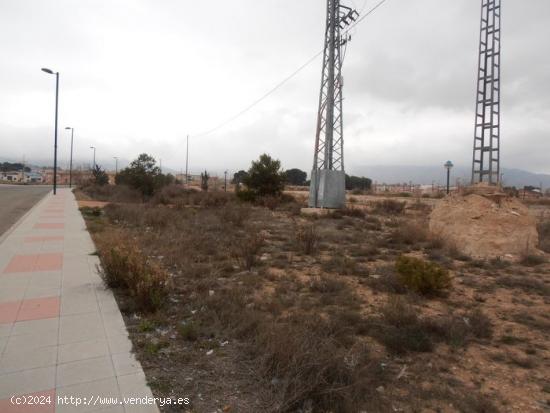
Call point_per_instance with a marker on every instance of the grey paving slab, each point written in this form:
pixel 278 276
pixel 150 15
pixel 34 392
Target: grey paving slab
pixel 83 350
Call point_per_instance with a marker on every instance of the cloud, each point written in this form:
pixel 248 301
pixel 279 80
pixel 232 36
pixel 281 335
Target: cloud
pixel 139 75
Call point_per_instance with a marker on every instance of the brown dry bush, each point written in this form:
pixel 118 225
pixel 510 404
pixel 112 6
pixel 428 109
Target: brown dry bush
pixel 389 207
pixel 401 330
pixel 342 265
pixel 313 370
pixel 307 238
pixel 544 236
pixel 409 233
pixel 111 193
pixel 126 267
pixel 247 248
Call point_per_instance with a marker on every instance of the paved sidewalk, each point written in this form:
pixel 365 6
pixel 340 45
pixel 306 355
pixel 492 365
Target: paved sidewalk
pixel 61 332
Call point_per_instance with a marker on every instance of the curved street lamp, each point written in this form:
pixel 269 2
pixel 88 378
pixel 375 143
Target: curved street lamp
pixel 51 72
pixel 448 166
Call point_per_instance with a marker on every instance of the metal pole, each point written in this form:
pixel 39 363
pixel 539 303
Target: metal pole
pixel 116 166
pixel 55 139
pixel 71 163
pixel 187 162
pixel 225 181
pixel 448 180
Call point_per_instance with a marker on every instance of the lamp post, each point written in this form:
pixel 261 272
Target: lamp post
pixel 116 165
pixel 71 162
pixel 448 166
pixel 51 72
pixel 93 147
pixel 225 181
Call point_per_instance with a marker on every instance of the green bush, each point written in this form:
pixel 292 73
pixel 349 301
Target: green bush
pixel 421 276
pixel 264 178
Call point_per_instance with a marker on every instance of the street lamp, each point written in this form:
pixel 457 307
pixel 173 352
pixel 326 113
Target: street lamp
pixel 71 163
pixel 448 165
pixel 93 147
pixel 51 72
pixel 225 181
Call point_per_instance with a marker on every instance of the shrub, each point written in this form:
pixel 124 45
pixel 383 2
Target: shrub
pixel 531 260
pixel 100 176
pixel 315 372
pixel 544 236
pixel 307 238
pixel 390 207
pixel 409 233
pixel 188 331
pixel 265 178
pixel 402 330
pixel 143 175
pixel 125 266
pixel 247 249
pixel 422 276
pixel 480 325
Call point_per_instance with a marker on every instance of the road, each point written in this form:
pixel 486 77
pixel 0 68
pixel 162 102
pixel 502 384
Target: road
pixel 15 200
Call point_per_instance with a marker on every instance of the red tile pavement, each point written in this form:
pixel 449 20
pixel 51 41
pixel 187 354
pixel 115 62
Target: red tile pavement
pixel 29 240
pixel 39 309
pixel 35 262
pixel 32 309
pixel 49 225
pixel 8 312
pixel 44 402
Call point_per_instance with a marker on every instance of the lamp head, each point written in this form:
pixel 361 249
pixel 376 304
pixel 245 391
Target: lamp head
pixel 50 71
pixel 448 165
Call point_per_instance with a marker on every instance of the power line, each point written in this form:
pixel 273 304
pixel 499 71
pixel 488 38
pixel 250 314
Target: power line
pixel 284 81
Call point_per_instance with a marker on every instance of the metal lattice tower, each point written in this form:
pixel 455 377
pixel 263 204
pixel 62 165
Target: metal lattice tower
pixel 327 189
pixel 486 158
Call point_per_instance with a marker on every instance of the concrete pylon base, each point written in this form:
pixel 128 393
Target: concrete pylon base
pixel 327 189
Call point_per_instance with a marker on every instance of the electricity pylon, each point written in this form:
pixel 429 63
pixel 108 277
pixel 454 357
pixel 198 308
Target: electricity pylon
pixel 328 179
pixel 486 157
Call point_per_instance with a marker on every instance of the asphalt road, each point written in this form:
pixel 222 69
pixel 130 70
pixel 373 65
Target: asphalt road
pixel 15 200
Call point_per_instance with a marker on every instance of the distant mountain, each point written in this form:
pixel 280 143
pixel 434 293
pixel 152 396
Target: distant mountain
pixel 425 175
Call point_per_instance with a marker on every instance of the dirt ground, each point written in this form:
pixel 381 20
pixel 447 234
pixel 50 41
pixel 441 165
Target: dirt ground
pixel 240 330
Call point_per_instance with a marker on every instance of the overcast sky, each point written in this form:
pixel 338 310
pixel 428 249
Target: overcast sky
pixel 139 75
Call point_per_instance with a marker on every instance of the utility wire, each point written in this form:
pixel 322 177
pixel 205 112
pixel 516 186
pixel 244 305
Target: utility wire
pixel 284 81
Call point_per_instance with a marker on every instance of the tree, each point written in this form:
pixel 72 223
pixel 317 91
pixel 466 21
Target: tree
pixel 204 181
pixel 356 182
pixel 142 174
pixel 238 177
pixel 265 177
pixel 100 176
pixel 296 177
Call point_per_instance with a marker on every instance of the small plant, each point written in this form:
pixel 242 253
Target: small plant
pixel 307 238
pixel 390 207
pixel 188 331
pixel 246 250
pixel 421 276
pixel 480 325
pixel 531 260
pixel 402 330
pixel 146 326
pixel 204 181
pixel 125 266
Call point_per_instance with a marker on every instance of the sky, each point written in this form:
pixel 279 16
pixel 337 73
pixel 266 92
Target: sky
pixel 140 75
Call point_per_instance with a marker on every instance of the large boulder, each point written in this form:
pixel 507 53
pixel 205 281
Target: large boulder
pixel 485 226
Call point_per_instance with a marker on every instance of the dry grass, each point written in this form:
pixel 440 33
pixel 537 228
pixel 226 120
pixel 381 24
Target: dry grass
pixel 293 333
pixel 307 238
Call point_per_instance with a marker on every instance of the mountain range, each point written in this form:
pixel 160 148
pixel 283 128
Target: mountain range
pixel 426 175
